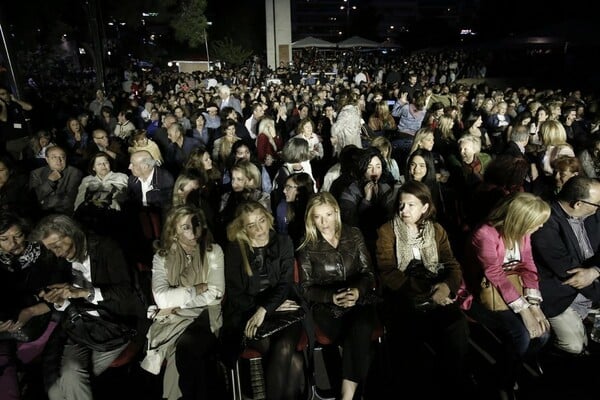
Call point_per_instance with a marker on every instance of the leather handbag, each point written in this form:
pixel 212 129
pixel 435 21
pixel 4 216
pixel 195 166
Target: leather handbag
pixel 279 321
pixel 489 296
pixel 99 333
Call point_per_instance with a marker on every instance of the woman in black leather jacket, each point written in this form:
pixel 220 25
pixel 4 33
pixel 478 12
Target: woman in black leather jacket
pixel 259 274
pixel 336 279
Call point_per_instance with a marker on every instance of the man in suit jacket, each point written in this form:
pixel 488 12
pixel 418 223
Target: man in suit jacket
pixel 101 276
pixel 56 184
pixel 148 185
pixel 227 100
pixel 149 194
pixel 566 251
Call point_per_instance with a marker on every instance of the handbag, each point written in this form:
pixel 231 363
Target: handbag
pixel 489 296
pixel 279 321
pixel 424 278
pixel 95 332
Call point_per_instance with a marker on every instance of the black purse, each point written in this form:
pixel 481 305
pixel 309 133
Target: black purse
pixel 423 278
pixel 95 332
pixel 278 321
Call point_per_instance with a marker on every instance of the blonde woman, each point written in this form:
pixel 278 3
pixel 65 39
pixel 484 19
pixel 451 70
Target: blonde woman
pixel 554 138
pixel 188 283
pixel 503 243
pixel 268 143
pixel 382 119
pixel 424 139
pixel 259 270
pixel 336 275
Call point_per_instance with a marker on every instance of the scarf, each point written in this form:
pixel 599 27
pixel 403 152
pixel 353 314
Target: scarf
pixel 424 241
pixel 474 168
pixel 183 269
pixel 30 255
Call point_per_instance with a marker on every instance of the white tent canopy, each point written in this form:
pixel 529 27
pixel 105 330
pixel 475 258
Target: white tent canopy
pixel 357 41
pixel 311 41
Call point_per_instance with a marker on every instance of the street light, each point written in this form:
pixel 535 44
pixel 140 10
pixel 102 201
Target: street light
pixel 208 23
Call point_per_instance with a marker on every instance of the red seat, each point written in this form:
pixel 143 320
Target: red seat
pixel 126 356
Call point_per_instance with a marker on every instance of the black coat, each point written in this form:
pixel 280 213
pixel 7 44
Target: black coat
pixel 325 269
pixel 555 251
pixel 243 295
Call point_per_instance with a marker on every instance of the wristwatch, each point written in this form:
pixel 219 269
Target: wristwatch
pixel 90 297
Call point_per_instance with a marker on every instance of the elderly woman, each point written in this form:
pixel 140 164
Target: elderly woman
pixel 25 268
pixel 336 278
pixel 259 270
pixel 188 282
pixel 102 188
pixel 420 278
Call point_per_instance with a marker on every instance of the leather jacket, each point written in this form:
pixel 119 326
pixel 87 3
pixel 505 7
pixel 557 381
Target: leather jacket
pixel 325 269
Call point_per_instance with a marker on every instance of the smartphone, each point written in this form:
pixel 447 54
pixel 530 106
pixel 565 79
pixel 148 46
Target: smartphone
pixel 391 102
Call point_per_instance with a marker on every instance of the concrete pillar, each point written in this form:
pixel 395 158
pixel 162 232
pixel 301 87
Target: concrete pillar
pixel 279 32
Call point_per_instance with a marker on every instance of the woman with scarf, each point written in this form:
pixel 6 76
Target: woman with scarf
pixel 188 284
pixel 420 278
pixel 25 319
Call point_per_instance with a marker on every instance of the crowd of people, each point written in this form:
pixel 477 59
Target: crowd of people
pixel 195 209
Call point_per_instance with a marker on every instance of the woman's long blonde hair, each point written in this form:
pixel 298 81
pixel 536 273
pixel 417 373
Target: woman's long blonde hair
pixel 517 215
pixel 319 199
pixel 169 233
pixel 236 230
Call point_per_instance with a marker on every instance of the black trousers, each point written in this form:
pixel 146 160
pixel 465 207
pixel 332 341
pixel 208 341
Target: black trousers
pixel 195 357
pixel 353 332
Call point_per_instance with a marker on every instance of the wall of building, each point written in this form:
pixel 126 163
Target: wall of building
pixel 279 31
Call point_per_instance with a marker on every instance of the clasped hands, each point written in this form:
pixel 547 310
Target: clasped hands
pixel 346 297
pixel 441 294
pixel 59 292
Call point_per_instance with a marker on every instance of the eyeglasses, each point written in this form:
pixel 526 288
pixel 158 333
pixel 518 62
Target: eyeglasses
pixel 590 203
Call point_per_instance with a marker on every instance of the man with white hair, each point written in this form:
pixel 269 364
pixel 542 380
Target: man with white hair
pixel 148 185
pixel 227 100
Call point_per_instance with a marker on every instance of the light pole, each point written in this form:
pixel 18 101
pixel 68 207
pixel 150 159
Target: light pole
pixel 208 23
pixel 347 7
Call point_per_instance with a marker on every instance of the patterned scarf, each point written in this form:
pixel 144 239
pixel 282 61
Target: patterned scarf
pixel 30 255
pixel 424 241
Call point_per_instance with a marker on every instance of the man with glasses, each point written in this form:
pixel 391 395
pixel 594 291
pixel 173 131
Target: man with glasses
pixel 566 250
pixel 14 124
pixel 55 185
pixel 114 149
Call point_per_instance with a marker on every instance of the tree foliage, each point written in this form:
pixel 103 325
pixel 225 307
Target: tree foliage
pixel 190 22
pixel 229 52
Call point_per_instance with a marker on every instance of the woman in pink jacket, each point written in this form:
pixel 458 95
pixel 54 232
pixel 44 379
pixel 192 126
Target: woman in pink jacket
pixel 500 245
